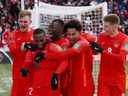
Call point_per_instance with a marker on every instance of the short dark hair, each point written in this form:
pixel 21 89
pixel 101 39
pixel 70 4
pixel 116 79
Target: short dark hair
pixel 58 20
pixel 112 18
pixel 73 24
pixel 39 31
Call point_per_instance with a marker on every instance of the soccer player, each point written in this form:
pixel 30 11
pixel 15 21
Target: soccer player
pixel 45 77
pixel 33 64
pixel 58 38
pixel 79 55
pixel 21 35
pixel 112 72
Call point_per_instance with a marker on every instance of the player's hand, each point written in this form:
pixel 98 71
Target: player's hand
pixel 30 46
pixel 24 72
pixel 96 47
pixel 22 47
pixel 39 57
pixel 54 81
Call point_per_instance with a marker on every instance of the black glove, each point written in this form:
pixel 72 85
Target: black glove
pixel 39 57
pixel 96 47
pixel 30 46
pixel 54 81
pixel 24 72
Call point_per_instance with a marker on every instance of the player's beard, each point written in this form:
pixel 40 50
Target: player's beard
pixel 24 28
pixel 72 42
pixel 55 36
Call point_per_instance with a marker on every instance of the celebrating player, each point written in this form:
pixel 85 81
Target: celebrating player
pixel 21 35
pixel 112 72
pixel 80 61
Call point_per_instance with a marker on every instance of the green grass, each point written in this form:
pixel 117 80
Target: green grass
pixel 5 79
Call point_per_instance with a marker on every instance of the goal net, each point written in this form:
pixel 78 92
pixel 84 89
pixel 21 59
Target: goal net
pixel 90 16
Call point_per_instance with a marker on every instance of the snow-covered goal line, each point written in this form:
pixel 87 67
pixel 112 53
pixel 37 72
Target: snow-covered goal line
pixel 90 16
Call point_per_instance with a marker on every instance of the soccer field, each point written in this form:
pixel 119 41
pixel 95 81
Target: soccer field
pixel 5 79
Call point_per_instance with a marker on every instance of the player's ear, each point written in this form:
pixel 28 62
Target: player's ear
pixel 30 21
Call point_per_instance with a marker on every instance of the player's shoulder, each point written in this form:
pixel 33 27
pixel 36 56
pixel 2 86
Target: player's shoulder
pixel 102 34
pixel 31 29
pixel 89 37
pixel 52 47
pixel 122 35
pixel 82 41
pixel 63 40
pixel 15 32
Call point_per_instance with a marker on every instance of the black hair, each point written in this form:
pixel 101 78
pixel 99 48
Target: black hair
pixel 73 24
pixel 58 20
pixel 39 31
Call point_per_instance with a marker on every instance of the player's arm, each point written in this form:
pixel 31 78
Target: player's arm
pixel 56 75
pixel 96 45
pixel 26 64
pixel 96 48
pixel 74 51
pixel 125 48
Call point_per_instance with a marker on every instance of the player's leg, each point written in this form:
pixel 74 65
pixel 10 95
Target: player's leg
pixel 14 88
pixel 116 91
pixel 90 88
pixel 103 89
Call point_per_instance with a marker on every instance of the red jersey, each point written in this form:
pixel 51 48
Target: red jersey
pixel 42 75
pixel 18 57
pixel 78 60
pixel 89 37
pixel 15 46
pixel 113 57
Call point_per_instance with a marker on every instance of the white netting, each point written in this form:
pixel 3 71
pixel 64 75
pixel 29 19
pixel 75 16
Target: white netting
pixel 90 16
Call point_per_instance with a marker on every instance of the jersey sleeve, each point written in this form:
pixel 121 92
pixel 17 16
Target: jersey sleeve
pixel 74 51
pixel 55 48
pixel 124 46
pixel 28 60
pixel 62 67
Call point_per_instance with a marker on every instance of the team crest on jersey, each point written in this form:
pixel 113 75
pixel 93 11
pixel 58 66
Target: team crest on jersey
pixel 109 50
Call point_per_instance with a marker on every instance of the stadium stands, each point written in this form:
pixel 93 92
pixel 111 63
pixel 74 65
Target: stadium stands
pixel 9 10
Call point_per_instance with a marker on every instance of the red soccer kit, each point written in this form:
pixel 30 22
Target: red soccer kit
pixel 18 56
pixel 41 83
pixel 112 72
pixel 89 37
pixel 63 68
pixel 90 85
pixel 79 58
